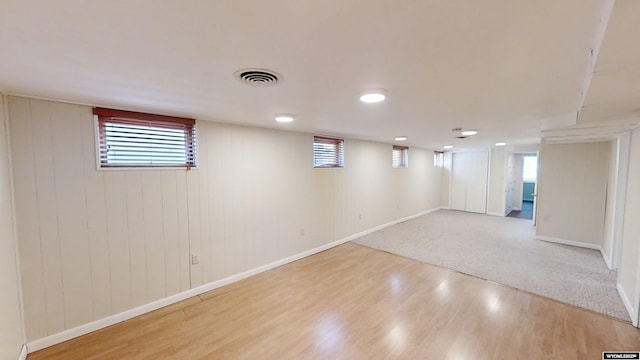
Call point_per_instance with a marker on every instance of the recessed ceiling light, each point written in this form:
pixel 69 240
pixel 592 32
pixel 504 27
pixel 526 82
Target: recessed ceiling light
pixel 469 132
pixel 401 138
pixel 501 143
pixel 284 118
pixel 373 96
pixel 448 146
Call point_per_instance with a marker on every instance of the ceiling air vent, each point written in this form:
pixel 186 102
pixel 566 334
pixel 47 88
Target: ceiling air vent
pixel 257 77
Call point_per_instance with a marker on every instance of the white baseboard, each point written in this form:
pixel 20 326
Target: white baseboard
pixel 607 261
pixel 445 208
pixel 569 242
pixel 627 304
pixel 496 214
pixel 69 334
pixel 23 353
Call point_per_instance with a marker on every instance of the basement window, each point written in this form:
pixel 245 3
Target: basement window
pixel 400 156
pixel 438 159
pixel 132 139
pixel 328 152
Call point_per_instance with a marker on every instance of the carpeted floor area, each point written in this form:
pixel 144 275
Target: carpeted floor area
pixel 504 250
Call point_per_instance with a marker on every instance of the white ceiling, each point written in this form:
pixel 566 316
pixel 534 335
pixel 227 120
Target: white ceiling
pixel 614 94
pixel 499 66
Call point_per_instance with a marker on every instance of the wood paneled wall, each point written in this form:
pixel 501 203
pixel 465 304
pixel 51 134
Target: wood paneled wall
pixel 11 326
pixel 98 242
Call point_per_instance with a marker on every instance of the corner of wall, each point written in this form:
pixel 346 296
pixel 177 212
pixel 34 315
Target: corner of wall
pixel 4 104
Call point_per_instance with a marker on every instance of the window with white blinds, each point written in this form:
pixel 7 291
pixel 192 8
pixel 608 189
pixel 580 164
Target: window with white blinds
pixel 328 152
pixel 400 156
pixel 131 139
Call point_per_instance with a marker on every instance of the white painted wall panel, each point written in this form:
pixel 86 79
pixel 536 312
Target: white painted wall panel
pixel 572 191
pixel 629 270
pixel 510 184
pixel 27 220
pixel 96 221
pixel 496 197
pixel 11 326
pixel 115 184
pixel 610 205
pixel 255 198
pixel 47 213
pixel 459 181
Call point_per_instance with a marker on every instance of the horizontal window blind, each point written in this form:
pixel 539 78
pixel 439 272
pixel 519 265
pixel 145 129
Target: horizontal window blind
pixel 400 156
pixel 130 139
pixel 328 152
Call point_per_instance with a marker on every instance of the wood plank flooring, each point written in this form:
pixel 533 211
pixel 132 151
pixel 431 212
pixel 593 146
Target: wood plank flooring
pixel 353 302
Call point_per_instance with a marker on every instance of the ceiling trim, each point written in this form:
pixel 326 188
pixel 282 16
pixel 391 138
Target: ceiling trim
pixel 587 133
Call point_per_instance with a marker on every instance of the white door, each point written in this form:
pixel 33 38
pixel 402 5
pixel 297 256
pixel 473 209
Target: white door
pixel 469 181
pixel 459 181
pixel 478 167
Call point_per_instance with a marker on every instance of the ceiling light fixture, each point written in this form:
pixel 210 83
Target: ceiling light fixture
pixel 401 138
pixel 501 143
pixel 469 132
pixel 448 146
pixel 373 96
pixel 284 118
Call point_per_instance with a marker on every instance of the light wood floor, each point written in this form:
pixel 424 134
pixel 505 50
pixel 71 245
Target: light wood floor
pixel 352 302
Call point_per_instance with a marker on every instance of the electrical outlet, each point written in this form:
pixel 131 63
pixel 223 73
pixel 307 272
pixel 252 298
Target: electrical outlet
pixel 195 258
pixel 301 232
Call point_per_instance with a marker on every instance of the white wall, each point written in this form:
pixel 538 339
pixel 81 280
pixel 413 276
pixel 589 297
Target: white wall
pixel 95 243
pixel 572 191
pixel 447 163
pixel 510 184
pixel 610 208
pixel 11 327
pixel 629 270
pixel 496 197
pixel 518 172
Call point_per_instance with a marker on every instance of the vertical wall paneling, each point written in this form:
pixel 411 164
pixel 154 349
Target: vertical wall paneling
pixel 134 197
pixel 48 214
pixel 154 235
pixel 169 229
pixel 96 219
pixel 27 220
pixel 115 184
pixel 12 336
pixel 183 230
pixel 215 170
pixel 94 243
pixel 193 217
pixel 69 210
pixel 203 203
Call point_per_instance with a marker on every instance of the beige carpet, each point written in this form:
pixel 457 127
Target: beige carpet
pixel 504 250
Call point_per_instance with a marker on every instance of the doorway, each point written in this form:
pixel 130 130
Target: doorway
pixel 525 185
